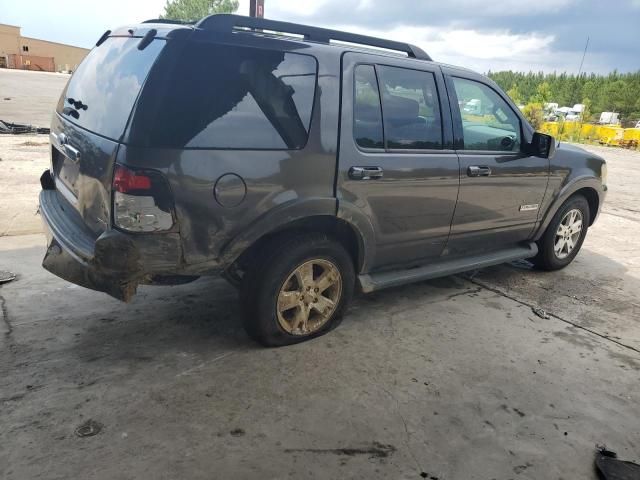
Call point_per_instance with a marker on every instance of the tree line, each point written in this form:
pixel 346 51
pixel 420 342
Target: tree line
pixel 615 92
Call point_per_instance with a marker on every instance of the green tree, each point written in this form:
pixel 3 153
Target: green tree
pixel 543 93
pixel 514 94
pixel 585 116
pixel 615 91
pixel 586 112
pixel 191 10
pixel 534 113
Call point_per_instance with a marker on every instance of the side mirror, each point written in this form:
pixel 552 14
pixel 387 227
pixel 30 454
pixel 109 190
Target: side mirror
pixel 542 145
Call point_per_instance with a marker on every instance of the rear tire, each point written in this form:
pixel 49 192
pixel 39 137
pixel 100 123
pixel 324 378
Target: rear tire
pixel 564 236
pixel 297 289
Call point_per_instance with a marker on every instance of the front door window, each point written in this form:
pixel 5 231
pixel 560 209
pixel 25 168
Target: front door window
pixel 488 123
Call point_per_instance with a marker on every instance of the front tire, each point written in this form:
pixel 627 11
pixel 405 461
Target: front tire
pixel 564 236
pixel 297 289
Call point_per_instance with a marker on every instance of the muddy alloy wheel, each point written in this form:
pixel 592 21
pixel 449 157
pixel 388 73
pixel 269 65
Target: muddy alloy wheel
pixel 309 297
pixel 297 288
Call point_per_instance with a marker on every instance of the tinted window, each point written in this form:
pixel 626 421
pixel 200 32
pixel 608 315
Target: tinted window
pixel 367 116
pixel 410 109
pixel 221 96
pixel 107 83
pixel 488 123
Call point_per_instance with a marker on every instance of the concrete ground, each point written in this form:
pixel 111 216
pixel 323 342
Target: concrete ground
pixel 30 97
pixel 23 158
pixel 456 378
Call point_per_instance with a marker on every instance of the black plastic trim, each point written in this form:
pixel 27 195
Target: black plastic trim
pixel 378 281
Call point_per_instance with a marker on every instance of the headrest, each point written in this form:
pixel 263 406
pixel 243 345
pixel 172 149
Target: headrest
pixel 400 110
pixel 367 112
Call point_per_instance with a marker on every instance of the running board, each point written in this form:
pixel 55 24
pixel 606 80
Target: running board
pixel 377 281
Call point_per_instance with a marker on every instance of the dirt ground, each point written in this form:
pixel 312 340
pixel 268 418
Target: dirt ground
pixel 456 378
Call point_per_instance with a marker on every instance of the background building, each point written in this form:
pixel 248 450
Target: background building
pixel 27 53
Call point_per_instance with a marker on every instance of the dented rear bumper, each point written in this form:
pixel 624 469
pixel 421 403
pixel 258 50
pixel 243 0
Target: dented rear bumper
pixel 112 262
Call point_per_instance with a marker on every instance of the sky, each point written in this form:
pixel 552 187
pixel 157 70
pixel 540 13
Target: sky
pixel 523 35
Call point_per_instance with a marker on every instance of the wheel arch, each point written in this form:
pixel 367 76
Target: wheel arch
pixel 592 199
pixel 242 252
pixel 588 187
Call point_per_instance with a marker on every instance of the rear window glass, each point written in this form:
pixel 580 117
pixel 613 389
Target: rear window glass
pixel 230 97
pixel 102 91
pixel 367 115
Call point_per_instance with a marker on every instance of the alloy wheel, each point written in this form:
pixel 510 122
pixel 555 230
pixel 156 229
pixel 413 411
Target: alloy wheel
pixel 309 297
pixel 568 233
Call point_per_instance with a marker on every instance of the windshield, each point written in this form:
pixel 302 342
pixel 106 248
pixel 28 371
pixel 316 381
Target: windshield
pixel 102 91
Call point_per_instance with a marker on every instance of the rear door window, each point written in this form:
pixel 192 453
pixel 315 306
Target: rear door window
pixel 101 93
pixel 234 97
pixel 410 109
pixel 367 113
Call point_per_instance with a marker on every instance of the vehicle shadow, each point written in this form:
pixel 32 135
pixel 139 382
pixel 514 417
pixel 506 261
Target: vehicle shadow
pixel 206 315
pixel 204 318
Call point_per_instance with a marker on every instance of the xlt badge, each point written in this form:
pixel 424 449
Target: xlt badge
pixel 529 208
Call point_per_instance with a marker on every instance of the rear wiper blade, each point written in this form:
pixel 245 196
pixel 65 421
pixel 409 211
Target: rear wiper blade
pixel 104 36
pixel 147 39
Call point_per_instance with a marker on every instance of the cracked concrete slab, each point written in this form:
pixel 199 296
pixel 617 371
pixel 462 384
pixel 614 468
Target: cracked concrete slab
pixel 455 378
pixel 444 377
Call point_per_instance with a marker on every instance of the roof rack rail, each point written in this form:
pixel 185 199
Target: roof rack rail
pixel 168 20
pixel 227 23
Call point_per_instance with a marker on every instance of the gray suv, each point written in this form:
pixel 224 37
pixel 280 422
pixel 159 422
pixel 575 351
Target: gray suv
pixel 299 163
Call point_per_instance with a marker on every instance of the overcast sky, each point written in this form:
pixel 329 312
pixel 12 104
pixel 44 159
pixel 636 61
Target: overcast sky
pixel 496 34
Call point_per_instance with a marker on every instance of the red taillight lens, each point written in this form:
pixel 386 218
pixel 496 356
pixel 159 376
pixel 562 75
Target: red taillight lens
pixel 142 200
pixel 125 180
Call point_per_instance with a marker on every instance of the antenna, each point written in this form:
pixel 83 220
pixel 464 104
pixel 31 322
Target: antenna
pixel 584 54
pixel 575 89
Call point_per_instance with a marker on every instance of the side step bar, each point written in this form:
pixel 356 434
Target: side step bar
pixel 377 281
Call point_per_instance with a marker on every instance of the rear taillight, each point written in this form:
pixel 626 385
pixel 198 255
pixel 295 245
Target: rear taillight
pixel 142 201
pixel 125 180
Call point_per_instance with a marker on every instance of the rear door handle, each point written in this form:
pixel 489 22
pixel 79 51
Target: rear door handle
pixel 365 173
pixel 72 153
pixel 478 171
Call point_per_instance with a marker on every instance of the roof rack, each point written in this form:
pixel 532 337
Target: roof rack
pixel 168 20
pixel 227 23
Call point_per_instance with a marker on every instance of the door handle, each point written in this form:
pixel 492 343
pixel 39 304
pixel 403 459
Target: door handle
pixel 365 173
pixel 72 153
pixel 478 171
pixel 63 142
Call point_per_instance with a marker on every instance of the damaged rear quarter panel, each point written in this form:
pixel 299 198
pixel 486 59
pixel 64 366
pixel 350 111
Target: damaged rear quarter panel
pixel 281 185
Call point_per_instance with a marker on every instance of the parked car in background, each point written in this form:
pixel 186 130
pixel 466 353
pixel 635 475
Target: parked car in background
pixel 473 106
pixel 609 118
pixel 298 168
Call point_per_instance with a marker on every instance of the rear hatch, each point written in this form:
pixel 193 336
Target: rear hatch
pixel 90 121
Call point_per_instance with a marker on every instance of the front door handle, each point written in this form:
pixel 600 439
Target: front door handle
pixel 478 171
pixel 365 173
